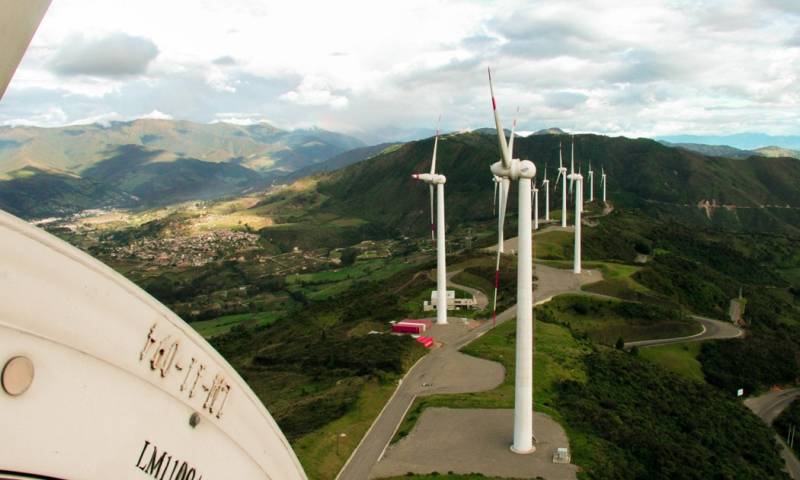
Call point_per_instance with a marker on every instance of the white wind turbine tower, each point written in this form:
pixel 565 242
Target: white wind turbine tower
pixel 535 206
pixel 523 172
pixel 603 182
pixel 591 183
pixel 562 173
pixel 577 178
pixel 546 187
pixel 441 269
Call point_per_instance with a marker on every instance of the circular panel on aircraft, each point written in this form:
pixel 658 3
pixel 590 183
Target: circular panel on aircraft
pixel 17 376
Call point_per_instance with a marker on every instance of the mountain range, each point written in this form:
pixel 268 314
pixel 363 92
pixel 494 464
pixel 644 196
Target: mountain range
pixel 146 162
pixel 744 141
pixel 746 192
pixel 738 194
pixel 732 152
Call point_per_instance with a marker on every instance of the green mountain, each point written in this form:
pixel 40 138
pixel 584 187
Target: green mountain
pixel 260 147
pixel 777 152
pixel 732 152
pixel 131 176
pixel 34 193
pixel 149 162
pixel 757 193
pixel 342 160
pixel 713 150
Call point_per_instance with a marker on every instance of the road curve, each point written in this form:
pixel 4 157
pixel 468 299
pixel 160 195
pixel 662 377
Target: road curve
pixel 712 330
pixel 768 406
pixel 480 298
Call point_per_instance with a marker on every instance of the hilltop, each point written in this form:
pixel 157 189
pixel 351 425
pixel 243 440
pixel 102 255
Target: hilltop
pixel 260 147
pixel 148 162
pixel 755 194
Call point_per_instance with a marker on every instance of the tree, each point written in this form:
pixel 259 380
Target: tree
pixel 620 344
pixel 349 256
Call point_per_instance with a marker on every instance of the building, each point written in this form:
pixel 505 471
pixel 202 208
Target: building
pixel 453 303
pixel 561 455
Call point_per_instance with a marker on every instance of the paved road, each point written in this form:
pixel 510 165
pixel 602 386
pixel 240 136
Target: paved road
pixel 510 244
pixel 712 330
pixel 768 407
pixel 480 297
pixel 437 372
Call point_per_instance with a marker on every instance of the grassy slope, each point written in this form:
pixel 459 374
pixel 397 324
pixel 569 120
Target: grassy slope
pixel 679 358
pixel 605 320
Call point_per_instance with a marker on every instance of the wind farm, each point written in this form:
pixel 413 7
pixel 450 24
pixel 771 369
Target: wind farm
pixel 221 264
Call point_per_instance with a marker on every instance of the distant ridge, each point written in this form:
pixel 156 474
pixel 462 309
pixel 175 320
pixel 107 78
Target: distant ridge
pixel 732 152
pixel 550 131
pixel 744 141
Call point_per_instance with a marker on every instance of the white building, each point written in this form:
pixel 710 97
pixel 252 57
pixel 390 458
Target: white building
pixel 453 303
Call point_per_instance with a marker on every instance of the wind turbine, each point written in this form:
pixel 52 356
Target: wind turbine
pixel 562 173
pixel 591 183
pixel 441 269
pixel 603 182
pixel 546 187
pixel 505 187
pixel 577 178
pixel 523 172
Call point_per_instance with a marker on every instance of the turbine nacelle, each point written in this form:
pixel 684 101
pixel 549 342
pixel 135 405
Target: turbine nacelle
pixel 430 178
pixel 516 169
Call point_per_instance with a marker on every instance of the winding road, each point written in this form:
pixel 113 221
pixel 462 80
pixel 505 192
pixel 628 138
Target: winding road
pixel 768 406
pixel 712 330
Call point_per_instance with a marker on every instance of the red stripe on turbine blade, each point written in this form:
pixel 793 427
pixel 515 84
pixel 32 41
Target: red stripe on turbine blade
pixel 494 105
pixel 497 279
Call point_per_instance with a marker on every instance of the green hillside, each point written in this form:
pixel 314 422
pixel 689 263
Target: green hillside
pixel 750 194
pixel 260 147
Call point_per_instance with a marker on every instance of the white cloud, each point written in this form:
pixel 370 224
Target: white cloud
pixel 315 91
pixel 661 66
pixel 156 115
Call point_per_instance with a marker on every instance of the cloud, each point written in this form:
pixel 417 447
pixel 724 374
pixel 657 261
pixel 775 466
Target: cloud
pixel 156 115
pixel 640 68
pixel 224 61
pixel 240 118
pixel 565 100
pixel 315 91
pixel 114 55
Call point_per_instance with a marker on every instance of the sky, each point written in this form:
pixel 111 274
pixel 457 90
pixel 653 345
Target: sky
pixel 379 70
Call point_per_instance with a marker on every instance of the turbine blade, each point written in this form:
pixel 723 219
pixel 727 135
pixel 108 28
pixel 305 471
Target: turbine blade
pixel 572 164
pixel 560 159
pixel 501 136
pixel 435 146
pixel 494 199
pixel 511 139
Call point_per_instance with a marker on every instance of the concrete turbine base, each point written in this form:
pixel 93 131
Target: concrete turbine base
pixel 523 452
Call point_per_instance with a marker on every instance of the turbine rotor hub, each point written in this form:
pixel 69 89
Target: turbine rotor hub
pixel 517 169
